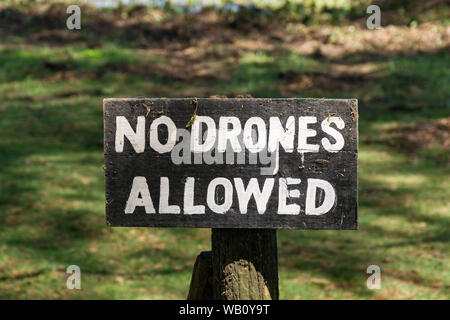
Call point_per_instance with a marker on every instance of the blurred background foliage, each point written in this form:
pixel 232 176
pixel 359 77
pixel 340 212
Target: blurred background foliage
pixel 307 11
pixel 53 80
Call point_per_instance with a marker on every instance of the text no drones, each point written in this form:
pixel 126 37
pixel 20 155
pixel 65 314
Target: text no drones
pixel 231 163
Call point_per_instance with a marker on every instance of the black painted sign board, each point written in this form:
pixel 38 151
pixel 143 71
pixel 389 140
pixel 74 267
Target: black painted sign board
pixel 231 163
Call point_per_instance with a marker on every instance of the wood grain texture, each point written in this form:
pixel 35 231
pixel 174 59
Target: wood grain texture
pixel 340 168
pixel 245 264
pixel 201 287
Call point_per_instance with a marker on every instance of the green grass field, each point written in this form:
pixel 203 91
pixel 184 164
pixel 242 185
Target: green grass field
pixel 52 82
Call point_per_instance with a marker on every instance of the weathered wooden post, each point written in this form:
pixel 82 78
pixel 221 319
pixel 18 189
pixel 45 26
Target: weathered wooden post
pixel 241 266
pixel 245 264
pixel 201 287
pixel 243 167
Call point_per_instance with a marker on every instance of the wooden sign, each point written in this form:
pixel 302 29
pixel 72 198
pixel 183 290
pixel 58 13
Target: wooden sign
pixel 231 163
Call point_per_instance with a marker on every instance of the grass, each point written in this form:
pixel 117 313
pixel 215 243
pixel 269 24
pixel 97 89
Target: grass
pixel 52 179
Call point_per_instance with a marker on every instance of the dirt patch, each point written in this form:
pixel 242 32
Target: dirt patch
pixel 294 84
pixel 357 43
pixel 432 135
pixel 159 29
